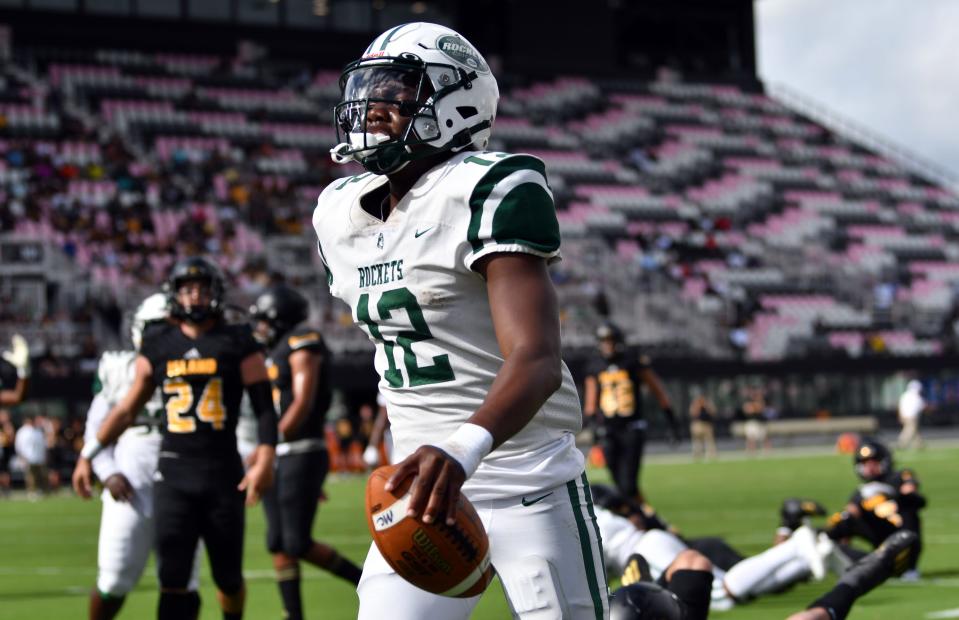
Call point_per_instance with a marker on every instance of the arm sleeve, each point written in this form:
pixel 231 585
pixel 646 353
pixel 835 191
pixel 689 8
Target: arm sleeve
pixel 512 210
pixel 104 464
pixel 248 344
pixel 261 400
pixel 309 340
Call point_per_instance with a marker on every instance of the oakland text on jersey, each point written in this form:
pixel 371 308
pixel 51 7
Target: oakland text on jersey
pixel 381 273
pixel 178 368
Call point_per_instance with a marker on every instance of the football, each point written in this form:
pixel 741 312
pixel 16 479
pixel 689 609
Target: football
pixel 451 560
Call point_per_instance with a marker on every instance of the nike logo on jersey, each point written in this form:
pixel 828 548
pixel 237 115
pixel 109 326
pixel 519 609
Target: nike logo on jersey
pixel 420 233
pixel 530 502
pixel 192 354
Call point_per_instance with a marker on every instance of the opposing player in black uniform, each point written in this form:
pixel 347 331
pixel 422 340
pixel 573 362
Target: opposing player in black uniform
pixel 613 401
pixel 886 502
pixel 14 378
pixel 298 366
pixel 201 365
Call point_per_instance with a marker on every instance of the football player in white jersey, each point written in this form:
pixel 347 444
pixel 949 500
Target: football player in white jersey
pixel 441 251
pixel 126 470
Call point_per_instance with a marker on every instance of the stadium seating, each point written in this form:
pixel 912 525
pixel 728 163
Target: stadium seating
pixel 721 204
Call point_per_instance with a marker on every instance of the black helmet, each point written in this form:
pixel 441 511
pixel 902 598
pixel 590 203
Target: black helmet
pixel 605 496
pixel 609 331
pixel 870 449
pixel 645 601
pixel 795 511
pixel 282 308
pixel 190 269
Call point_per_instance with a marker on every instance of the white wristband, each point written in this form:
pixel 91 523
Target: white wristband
pixel 91 449
pixel 468 445
pixel 23 372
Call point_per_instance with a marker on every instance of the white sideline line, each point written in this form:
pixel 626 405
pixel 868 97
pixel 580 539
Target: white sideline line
pixel 945 613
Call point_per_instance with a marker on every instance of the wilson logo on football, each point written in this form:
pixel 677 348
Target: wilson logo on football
pixel 392 515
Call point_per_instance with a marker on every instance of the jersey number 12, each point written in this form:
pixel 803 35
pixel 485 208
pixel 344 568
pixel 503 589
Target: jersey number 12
pixel 403 299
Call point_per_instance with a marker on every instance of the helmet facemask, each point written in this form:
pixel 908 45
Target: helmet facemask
pixel 405 86
pixel 197 314
pixel 276 312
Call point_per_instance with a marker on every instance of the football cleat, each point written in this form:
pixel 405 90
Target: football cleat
pixel 642 601
pixel 637 569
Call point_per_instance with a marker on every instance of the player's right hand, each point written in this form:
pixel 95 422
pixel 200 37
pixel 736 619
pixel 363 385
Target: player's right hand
pixel 83 478
pixel 436 487
pixel 119 487
pixel 259 477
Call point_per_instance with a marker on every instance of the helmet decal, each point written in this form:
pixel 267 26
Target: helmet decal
pixel 462 52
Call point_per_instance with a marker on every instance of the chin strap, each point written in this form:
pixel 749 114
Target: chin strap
pixel 340 153
pixel 359 146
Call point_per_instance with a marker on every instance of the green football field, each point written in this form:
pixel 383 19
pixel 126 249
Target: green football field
pixel 47 563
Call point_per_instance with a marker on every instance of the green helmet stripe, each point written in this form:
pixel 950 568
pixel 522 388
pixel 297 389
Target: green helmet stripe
pixel 389 36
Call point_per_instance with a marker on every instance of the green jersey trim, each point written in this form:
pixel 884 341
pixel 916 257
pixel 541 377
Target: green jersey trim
pixel 512 205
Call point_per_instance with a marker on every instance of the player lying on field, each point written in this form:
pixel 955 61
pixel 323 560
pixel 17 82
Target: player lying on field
pixel 627 529
pixel 640 598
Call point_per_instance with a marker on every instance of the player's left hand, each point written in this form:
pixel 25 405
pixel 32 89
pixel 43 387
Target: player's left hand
pixel 82 478
pixel 675 436
pixel 436 486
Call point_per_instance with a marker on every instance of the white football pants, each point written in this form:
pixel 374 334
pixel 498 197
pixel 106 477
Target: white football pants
pixel 547 554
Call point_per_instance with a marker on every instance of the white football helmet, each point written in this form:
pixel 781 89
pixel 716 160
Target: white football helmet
pixel 430 74
pixel 152 309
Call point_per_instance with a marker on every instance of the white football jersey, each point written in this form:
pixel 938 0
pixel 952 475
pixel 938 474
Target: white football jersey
pixel 411 288
pixel 137 450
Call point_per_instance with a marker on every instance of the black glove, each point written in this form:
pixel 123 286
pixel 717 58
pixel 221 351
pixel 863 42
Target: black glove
pixel 599 428
pixel 675 436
